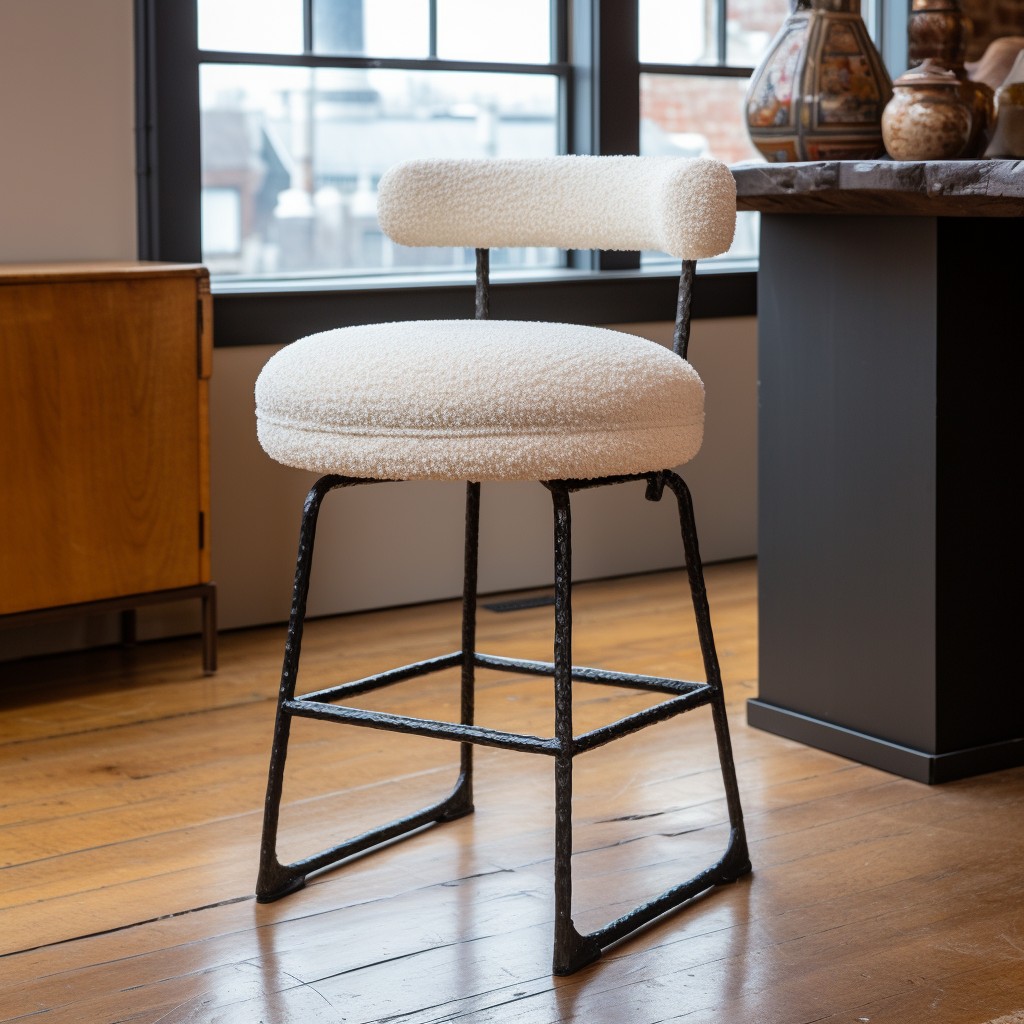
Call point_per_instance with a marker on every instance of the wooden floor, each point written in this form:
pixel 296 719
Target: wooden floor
pixel 131 810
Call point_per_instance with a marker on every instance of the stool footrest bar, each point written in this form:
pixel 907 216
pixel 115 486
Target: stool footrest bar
pixel 422 727
pixel 306 708
pixel 638 720
pixel 584 674
pixel 393 675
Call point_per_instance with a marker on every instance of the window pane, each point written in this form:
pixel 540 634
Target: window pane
pixel 304 149
pixel 677 32
pixel 383 28
pixel 250 26
pixel 683 115
pixel 695 116
pixel 222 221
pixel 494 30
pixel 750 27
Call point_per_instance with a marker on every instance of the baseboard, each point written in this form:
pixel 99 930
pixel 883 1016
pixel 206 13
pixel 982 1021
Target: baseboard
pixel 907 762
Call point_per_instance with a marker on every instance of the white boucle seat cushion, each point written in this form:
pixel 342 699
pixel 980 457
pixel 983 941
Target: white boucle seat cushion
pixel 478 400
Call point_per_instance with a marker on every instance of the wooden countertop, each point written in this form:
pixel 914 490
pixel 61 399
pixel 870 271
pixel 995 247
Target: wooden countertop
pixel 932 188
pixel 91 270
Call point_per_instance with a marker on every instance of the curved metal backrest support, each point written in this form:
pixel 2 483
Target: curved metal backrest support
pixel 483 284
pixel 684 207
pixel 680 337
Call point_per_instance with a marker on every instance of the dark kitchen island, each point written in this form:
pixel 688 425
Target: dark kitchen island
pixel 890 315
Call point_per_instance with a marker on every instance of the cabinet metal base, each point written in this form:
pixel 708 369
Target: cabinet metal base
pixel 126 605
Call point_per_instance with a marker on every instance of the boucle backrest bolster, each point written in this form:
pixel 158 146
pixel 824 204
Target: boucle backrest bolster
pixel 684 207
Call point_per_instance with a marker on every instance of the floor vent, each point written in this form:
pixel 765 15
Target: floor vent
pixel 520 603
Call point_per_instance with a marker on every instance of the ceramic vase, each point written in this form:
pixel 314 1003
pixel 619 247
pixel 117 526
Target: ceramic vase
pixel 819 91
pixel 937 29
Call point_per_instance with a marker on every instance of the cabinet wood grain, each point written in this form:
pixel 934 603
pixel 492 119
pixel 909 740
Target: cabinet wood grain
pixel 104 465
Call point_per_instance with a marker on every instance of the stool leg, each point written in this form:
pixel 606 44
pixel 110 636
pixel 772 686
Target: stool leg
pixel 571 950
pixel 736 861
pixel 275 880
pixel 461 801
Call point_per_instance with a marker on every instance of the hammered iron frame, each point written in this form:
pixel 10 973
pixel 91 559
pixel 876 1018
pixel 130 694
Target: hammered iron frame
pixel 572 950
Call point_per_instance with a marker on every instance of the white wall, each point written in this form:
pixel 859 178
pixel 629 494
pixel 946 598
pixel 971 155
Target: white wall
pixel 67 148
pixel 67 191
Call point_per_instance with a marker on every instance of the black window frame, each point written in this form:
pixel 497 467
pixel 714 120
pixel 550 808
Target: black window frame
pixel 594 50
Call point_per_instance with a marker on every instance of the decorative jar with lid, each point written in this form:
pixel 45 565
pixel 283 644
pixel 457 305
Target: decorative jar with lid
pixel 927 117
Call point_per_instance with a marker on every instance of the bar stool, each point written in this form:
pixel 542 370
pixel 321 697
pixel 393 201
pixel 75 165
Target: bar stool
pixel 479 400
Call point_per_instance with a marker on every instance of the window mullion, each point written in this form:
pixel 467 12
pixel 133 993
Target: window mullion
pixel 307 26
pixel 699 70
pixel 323 60
pixel 721 31
pixel 606 94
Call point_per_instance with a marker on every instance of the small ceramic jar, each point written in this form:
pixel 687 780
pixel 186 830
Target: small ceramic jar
pixel 927 118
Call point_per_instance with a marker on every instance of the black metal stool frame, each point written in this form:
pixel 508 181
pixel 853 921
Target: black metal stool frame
pixel 572 950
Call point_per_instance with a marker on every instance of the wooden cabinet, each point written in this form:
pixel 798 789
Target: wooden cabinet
pixel 104 449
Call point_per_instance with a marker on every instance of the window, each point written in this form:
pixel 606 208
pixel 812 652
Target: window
pixel 696 58
pixel 265 125
pixel 303 106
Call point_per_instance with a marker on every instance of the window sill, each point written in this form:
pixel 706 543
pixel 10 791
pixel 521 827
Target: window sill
pixel 279 311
